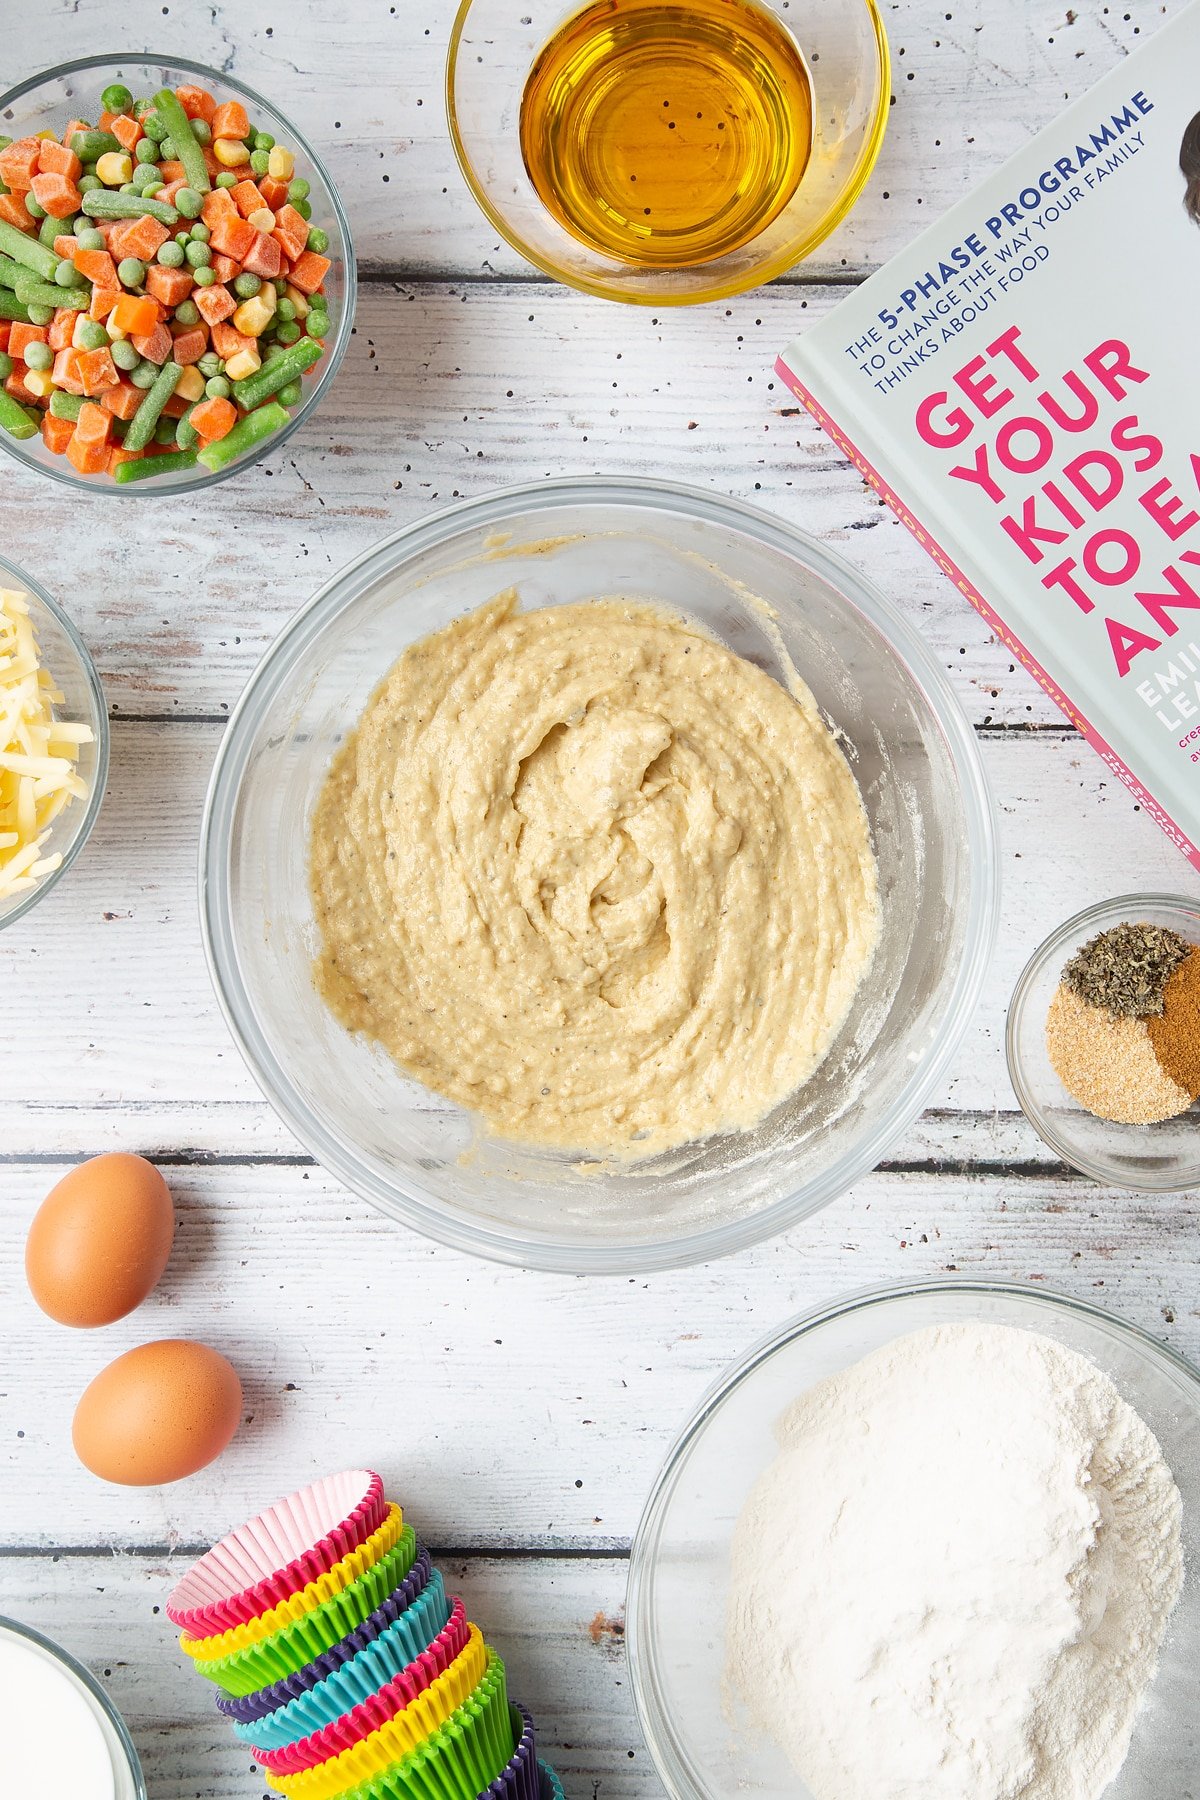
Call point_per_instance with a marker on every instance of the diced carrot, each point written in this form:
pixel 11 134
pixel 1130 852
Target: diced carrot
pixel 264 257
pixel 230 121
pixel 122 400
pixel 97 370
pixel 142 237
pixel 14 384
pixel 214 419
pixel 89 459
pixel 154 345
pixel 135 314
pixel 309 271
pixel 225 268
pixel 74 125
pixel 232 236
pixel 98 266
pixel 274 192
pixel 247 198
pixel 227 342
pixel 213 303
pixel 19 164
pixel 94 424
pixel 5 328
pixel 22 335
pixel 103 301
pixel 62 328
pixel 56 159
pixel 170 285
pixel 12 211
pixel 127 131
pixel 176 406
pixel 170 171
pixel 217 205
pixel 291 230
pixel 65 373
pixel 196 102
pixel 119 454
pixel 56 195
pixel 56 433
pixel 106 119
pixel 190 345
pixel 65 248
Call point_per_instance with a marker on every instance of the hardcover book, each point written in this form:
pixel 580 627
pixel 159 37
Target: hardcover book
pixel 1022 386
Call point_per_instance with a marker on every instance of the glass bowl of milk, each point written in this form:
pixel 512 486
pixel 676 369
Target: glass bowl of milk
pixel 65 1733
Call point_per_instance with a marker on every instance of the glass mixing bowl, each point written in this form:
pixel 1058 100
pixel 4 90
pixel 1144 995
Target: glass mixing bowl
pixel 46 103
pixel 426 1161
pixel 109 1728
pixel 679 1572
pixel 492 48
pixel 66 657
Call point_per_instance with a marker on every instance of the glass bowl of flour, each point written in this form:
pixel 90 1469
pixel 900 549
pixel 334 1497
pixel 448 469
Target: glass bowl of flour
pixel 928 1540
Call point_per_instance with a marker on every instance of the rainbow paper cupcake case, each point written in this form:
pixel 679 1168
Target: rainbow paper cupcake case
pixel 345 1667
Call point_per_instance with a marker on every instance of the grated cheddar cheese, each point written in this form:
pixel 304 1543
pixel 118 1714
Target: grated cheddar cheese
pixel 38 753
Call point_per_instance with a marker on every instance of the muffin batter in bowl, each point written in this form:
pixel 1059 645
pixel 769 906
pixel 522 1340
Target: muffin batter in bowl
pixel 592 875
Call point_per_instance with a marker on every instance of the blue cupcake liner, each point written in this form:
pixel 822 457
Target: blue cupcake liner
pixel 379 1661
pixel 246 1709
pixel 552 1787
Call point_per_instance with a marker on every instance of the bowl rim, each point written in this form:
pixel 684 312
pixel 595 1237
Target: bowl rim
pixel 95 687
pixel 493 509
pixel 643 1676
pixel 1102 912
pixel 606 289
pixel 196 483
pixel 87 1680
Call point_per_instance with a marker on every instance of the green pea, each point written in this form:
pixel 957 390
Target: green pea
pixel 170 254
pixel 290 394
pixel 198 255
pixel 285 310
pixel 146 150
pixel 49 229
pixel 318 324
pixel 87 184
pixel 154 126
pixel 39 315
pixel 227 178
pixel 164 431
pixel 39 356
pixel 202 131
pixel 200 233
pixel 209 364
pixel 262 140
pixel 5 141
pixel 124 354
pixel 151 188
pixel 91 335
pixel 131 271
pixel 204 276
pixel 6 361
pixel 272 352
pixel 259 162
pixel 145 374
pixel 287 332
pixel 34 207
pixel 217 388
pixel 141 108
pixel 67 275
pixel 116 98
pixel 298 190
pixel 318 240
pixel 245 285
pixel 187 203
pixel 186 313
pixel 167 149
pixel 304 208
pixel 90 239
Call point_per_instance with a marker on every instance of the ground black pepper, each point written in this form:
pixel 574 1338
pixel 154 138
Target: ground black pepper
pixel 1127 969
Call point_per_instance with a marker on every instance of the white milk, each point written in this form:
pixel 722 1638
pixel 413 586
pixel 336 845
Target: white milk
pixel 57 1736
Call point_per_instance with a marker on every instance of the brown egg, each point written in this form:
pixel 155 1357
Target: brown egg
pixel 158 1413
pixel 100 1240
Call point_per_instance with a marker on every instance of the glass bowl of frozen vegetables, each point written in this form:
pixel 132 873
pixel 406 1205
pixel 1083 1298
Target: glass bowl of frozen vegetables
pixel 177 281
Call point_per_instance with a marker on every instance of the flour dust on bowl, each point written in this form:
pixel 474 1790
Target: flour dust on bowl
pixel 960 1595
pixel 770 595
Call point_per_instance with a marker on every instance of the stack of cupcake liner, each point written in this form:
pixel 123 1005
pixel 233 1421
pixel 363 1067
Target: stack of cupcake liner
pixel 343 1664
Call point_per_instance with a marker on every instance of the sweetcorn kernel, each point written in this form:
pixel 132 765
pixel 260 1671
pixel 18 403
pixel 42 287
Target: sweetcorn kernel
pixel 244 363
pixel 113 168
pixel 253 316
pixel 39 382
pixel 281 164
pixel 231 153
pixel 190 385
pixel 262 219
pixel 298 300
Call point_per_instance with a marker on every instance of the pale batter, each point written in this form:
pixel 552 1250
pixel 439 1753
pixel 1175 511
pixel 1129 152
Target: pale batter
pixel 589 873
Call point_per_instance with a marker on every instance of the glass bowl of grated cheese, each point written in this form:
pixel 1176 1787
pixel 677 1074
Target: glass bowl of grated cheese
pixel 53 743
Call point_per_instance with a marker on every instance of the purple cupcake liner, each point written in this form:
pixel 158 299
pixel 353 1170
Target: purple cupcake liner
pixel 247 1708
pixel 520 1779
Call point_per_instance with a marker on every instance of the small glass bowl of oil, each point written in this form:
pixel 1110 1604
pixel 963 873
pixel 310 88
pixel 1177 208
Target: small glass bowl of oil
pixel 667 151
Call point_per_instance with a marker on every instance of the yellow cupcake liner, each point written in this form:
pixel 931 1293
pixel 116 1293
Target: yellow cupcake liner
pixel 462 1758
pixel 406 1731
pixel 335 1581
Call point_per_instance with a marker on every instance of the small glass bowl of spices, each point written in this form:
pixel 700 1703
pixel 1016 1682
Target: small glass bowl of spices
pixel 1104 1042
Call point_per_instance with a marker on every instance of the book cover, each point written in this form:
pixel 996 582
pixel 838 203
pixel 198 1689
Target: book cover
pixel 1022 386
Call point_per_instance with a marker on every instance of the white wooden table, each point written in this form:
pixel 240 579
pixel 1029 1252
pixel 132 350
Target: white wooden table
pixel 519 1417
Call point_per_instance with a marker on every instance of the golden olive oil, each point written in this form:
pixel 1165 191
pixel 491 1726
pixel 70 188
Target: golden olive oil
pixel 667 134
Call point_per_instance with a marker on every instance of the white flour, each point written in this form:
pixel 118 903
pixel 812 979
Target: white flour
pixel 953 1582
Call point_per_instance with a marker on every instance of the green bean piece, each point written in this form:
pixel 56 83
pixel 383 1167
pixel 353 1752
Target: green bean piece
pixel 141 426
pixel 116 98
pixel 187 150
pixel 153 187
pixel 9 270
pixel 146 467
pixel 39 356
pixel 41 293
pixel 202 131
pixel 304 208
pixel 124 355
pixel 49 229
pixel 6 367
pixel 64 405
pixel 89 146
pixel 276 374
pixel 186 435
pixel 15 419
pixel 40 315
pixel 104 204
pixel 251 430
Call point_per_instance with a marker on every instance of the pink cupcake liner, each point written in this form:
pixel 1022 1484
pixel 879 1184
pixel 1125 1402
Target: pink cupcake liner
pixel 277 1554
pixel 359 1723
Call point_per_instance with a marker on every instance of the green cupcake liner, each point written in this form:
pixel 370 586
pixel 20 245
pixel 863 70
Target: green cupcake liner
pixel 301 1641
pixel 462 1758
